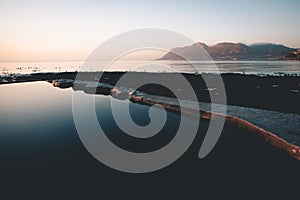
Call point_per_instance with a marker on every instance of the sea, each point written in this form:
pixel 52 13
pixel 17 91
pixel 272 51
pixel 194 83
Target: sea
pixel 243 67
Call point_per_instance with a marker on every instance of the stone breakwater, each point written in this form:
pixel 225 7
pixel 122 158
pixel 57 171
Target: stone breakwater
pixel 269 137
pixel 279 92
pixel 142 98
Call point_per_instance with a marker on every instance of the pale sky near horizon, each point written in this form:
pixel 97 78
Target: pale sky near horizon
pixel 70 30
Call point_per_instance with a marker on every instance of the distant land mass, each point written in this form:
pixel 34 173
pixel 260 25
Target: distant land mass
pixel 233 51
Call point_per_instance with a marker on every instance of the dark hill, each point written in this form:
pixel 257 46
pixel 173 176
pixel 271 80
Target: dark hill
pixel 229 51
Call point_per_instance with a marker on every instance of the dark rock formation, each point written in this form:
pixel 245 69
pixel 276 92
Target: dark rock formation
pixel 196 51
pixel 230 51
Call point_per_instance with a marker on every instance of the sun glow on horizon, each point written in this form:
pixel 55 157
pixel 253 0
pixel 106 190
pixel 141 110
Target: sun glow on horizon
pixel 71 30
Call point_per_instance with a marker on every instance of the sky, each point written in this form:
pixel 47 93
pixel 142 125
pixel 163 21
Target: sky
pixel 70 30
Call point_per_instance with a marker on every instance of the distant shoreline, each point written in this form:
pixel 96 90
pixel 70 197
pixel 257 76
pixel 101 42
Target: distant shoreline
pixel 233 51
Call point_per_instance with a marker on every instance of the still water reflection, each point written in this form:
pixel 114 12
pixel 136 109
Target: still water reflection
pixel 37 125
pixel 40 149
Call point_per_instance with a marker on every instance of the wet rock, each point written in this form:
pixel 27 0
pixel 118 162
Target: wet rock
pixel 63 83
pixel 118 94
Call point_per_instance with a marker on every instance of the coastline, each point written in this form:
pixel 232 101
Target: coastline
pixel 239 156
pixel 269 137
pixel 109 79
pixel 279 93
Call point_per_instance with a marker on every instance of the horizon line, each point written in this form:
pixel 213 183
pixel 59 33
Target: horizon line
pixel 83 60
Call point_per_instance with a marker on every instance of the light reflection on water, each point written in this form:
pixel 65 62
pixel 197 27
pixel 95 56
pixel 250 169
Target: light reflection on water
pixel 37 125
pixel 38 140
pixel 247 67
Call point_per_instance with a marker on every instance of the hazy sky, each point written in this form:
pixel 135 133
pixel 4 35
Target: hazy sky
pixel 70 30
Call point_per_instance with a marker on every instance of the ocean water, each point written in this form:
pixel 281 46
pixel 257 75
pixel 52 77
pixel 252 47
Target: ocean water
pixel 244 67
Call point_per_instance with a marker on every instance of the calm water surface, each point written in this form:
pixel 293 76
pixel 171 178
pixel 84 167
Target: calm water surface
pixel 247 67
pixel 41 153
pixel 36 122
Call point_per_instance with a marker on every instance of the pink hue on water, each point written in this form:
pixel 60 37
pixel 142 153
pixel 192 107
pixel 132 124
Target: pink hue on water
pixel 247 67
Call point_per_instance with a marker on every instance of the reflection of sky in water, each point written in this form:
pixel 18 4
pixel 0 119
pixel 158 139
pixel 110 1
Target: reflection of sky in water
pixel 37 127
pixel 34 120
pixel 36 123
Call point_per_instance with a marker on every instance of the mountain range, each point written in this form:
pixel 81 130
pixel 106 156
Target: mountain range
pixel 233 51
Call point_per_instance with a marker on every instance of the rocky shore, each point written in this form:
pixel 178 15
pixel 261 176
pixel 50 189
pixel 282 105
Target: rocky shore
pixel 141 98
pixel 280 93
